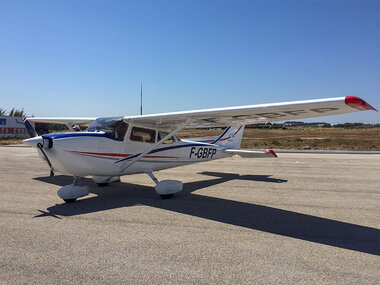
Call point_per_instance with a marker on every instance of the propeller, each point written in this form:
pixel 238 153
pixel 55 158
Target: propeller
pixel 41 148
pixel 32 133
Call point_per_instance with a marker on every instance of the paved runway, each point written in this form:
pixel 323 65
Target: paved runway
pixel 302 218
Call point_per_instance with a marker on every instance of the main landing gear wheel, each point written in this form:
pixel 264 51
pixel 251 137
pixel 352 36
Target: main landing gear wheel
pixel 102 184
pixel 166 196
pixel 70 193
pixel 69 200
pixel 166 188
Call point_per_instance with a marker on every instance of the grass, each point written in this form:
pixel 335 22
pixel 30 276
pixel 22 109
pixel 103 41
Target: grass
pixel 292 138
pixel 10 141
pixel 298 138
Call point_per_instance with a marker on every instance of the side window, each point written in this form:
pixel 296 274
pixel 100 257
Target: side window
pixel 142 135
pixel 164 134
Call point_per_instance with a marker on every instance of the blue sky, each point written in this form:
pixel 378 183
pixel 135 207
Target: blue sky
pixel 87 58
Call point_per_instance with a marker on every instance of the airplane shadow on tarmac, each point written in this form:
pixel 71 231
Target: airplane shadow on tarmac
pixel 252 216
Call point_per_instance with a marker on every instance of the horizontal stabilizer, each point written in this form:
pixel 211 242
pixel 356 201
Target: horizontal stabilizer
pixel 251 153
pixel 82 121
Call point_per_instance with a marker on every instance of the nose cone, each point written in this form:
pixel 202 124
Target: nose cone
pixel 33 141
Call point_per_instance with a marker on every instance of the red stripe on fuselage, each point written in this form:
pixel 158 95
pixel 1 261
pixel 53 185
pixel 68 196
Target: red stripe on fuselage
pixel 102 154
pixel 120 154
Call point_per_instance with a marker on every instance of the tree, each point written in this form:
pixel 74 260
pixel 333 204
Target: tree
pixel 16 113
pixel 2 112
pixel 20 113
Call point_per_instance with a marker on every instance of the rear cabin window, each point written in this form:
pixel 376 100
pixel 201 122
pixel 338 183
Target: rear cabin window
pixel 161 135
pixel 143 135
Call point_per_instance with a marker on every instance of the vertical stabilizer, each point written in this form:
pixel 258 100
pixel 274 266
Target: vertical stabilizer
pixel 231 137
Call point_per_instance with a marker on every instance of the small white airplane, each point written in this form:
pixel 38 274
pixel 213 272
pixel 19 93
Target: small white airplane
pixel 115 146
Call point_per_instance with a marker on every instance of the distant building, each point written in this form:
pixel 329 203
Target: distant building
pixel 13 127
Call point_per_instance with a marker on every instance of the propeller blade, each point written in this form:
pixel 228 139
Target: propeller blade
pixel 40 147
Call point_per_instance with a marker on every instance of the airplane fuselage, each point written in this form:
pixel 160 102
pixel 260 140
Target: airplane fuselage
pixel 97 154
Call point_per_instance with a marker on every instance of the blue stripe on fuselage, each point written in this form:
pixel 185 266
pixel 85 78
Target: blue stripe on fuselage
pixel 79 134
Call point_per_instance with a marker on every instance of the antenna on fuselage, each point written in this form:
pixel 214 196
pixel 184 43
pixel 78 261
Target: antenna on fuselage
pixel 141 99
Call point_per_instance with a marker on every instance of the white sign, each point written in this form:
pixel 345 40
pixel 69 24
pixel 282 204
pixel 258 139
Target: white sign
pixel 12 127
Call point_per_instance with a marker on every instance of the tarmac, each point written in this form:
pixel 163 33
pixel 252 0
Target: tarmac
pixel 302 218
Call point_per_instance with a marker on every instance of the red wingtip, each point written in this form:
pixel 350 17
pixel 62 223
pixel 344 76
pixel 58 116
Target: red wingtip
pixel 271 151
pixel 358 103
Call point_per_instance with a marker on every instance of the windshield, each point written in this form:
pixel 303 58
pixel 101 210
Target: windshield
pixel 114 127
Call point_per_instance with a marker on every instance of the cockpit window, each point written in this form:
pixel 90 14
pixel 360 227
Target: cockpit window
pixel 114 127
pixel 120 130
pixel 143 135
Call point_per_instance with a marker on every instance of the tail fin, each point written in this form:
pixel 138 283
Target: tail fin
pixel 231 137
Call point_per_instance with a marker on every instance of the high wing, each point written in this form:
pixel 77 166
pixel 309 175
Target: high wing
pixel 64 120
pixel 241 115
pixel 251 114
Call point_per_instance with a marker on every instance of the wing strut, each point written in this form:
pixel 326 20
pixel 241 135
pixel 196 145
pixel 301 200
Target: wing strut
pixel 69 126
pixel 122 167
